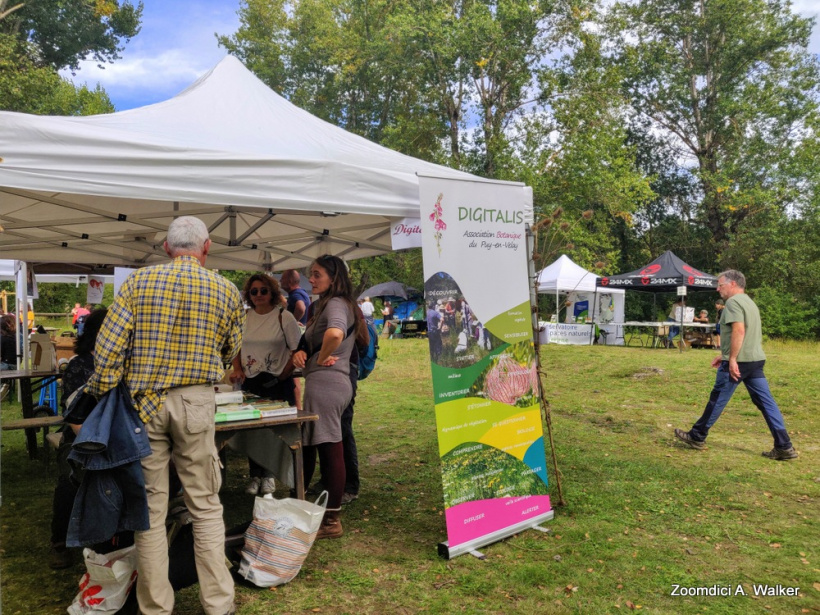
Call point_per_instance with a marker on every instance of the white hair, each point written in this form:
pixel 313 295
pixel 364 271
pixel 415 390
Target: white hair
pixel 187 234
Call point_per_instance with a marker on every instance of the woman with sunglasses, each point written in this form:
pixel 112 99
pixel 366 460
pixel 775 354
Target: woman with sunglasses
pixel 325 362
pixel 270 335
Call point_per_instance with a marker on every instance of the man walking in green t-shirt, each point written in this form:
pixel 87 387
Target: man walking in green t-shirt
pixel 741 359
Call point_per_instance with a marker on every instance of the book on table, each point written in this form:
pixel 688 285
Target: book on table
pixel 252 407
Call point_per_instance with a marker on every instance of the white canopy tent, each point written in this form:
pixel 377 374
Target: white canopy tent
pixel 275 185
pixel 564 276
pixel 8 270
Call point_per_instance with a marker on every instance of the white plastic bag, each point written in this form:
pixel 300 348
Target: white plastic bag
pixel 105 586
pixel 279 538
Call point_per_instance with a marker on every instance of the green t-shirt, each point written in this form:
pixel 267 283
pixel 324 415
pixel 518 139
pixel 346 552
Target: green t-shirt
pixel 741 308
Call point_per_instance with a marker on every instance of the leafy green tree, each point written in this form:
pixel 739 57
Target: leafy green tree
pixel 62 33
pixel 40 37
pixel 326 56
pixel 441 80
pixel 732 85
pixel 576 156
pixel 28 88
pixel 783 315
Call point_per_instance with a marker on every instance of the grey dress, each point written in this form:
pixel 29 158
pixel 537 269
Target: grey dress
pixel 327 389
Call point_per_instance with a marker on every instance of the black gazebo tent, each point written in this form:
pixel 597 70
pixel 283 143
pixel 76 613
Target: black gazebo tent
pixel 665 274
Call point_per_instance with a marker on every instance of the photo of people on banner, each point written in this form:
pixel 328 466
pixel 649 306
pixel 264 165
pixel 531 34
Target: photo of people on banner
pixel 456 335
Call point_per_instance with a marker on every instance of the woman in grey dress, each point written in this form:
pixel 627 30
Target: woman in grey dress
pixel 326 365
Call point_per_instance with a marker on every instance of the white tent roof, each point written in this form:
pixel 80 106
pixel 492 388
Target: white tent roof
pixel 564 275
pixel 276 185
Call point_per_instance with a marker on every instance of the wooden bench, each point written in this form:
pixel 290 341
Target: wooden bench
pixel 37 423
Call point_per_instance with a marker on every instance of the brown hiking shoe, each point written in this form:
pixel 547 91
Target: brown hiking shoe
pixel 781 454
pixel 60 558
pixel 684 437
pixel 331 528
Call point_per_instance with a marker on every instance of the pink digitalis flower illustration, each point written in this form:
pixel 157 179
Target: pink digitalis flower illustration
pixel 439 223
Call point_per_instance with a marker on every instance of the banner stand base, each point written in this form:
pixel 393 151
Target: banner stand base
pixel 445 551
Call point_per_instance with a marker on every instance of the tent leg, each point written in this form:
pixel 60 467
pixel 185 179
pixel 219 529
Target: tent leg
pixel 545 406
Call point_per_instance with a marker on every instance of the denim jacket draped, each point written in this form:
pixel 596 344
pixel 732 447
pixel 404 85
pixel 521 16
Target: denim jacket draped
pixel 111 497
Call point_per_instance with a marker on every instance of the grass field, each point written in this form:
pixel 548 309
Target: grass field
pixel 642 513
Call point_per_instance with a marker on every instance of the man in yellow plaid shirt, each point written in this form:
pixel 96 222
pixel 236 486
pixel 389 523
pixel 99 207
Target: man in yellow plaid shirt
pixel 170 331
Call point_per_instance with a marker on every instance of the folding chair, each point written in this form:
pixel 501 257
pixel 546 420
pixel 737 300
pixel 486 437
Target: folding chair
pixel 659 336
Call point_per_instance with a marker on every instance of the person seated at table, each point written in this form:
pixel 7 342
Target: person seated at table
pixel 79 370
pixel 263 364
pixel 674 317
pixel 703 316
pixel 8 343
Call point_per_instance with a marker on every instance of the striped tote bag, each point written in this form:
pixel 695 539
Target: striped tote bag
pixel 279 538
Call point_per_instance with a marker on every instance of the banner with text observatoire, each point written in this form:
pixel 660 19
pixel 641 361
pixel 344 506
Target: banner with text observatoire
pixel 485 382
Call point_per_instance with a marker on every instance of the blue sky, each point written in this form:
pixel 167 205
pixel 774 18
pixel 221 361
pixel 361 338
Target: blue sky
pixel 177 45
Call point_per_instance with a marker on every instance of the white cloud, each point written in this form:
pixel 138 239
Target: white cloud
pixel 175 47
pixel 138 73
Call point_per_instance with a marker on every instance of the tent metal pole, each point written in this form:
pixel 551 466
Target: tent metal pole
pixel 545 406
pixel 592 320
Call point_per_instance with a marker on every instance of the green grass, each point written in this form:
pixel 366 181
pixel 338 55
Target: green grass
pixel 641 513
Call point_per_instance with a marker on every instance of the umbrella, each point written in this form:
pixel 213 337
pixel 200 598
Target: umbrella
pixel 390 289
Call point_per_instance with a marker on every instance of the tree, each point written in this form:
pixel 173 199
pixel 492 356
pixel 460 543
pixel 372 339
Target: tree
pixel 732 86
pixel 27 88
pixel 430 78
pixel 62 33
pixel 40 37
pixel 576 156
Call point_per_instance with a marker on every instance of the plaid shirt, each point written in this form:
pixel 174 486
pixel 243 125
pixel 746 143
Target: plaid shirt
pixel 171 325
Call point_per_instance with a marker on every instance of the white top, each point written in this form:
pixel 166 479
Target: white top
pixel 263 343
pixel 367 309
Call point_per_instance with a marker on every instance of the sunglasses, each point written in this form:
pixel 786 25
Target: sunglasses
pixel 259 291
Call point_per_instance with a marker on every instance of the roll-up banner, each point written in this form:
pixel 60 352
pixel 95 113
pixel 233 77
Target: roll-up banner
pixel 485 381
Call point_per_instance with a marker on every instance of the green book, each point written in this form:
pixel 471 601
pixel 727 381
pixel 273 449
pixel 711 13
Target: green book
pixel 245 414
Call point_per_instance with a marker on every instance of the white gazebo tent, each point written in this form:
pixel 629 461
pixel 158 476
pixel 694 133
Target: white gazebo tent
pixel 564 276
pixel 8 269
pixel 17 272
pixel 275 185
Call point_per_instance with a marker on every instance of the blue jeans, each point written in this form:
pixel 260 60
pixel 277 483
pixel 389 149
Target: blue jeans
pixel 751 374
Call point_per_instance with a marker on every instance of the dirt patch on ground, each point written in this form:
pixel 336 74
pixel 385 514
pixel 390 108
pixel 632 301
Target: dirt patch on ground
pixel 380 458
pixel 647 372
